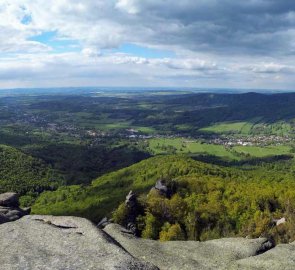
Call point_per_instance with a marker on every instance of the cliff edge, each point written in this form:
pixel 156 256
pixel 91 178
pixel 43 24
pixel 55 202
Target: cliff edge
pixel 49 242
pixel 61 243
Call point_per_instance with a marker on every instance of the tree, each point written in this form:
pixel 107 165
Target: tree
pixel 171 232
pixel 152 227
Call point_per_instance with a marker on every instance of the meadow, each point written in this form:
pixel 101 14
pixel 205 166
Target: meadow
pixel 235 127
pixel 193 147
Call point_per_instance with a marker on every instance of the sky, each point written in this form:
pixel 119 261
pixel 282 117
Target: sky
pixel 148 43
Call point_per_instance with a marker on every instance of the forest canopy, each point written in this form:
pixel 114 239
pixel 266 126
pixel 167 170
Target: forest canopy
pixel 208 201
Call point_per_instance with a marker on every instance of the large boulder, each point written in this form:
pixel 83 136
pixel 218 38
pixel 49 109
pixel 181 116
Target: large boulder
pixel 213 254
pixel 134 210
pixel 61 243
pixel 9 199
pixel 3 218
pixel 280 257
pixel 131 199
pixel 162 188
pixel 9 208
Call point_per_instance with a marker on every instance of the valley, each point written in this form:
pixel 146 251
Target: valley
pixel 230 158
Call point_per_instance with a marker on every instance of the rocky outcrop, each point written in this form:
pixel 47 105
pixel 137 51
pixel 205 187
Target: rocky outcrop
pixel 103 222
pixel 61 243
pixel 9 199
pixel 9 208
pixel 280 257
pixel 162 188
pixel 214 254
pixel 72 243
pixel 133 211
pixel 131 200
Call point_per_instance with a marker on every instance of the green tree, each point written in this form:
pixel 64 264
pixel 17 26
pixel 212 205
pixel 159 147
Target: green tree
pixel 171 232
pixel 152 227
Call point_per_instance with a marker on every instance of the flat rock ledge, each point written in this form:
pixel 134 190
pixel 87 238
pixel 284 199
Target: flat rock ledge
pixel 72 243
pixel 61 243
pixel 224 254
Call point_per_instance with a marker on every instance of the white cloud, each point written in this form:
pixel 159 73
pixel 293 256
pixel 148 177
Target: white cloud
pixel 130 6
pixel 269 68
pixel 224 43
pixel 91 52
pixel 191 64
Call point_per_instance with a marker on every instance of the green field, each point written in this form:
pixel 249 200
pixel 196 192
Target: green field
pixel 253 127
pixel 148 130
pixel 236 127
pixel 180 145
pixel 279 128
pixel 256 151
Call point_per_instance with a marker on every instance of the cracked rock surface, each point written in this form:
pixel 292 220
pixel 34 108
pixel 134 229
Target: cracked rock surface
pixel 61 243
pixel 280 257
pixel 225 253
pixel 72 243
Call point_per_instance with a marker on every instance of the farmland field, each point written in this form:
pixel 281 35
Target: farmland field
pixel 256 151
pixel 236 127
pixel 253 127
pixel 180 145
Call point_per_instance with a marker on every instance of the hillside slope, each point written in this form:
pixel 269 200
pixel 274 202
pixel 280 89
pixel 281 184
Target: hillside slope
pixel 106 192
pixel 209 201
pixel 24 174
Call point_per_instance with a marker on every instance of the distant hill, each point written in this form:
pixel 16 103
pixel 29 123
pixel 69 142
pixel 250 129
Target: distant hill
pixel 213 108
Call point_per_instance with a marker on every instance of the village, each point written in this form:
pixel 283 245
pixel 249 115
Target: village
pixel 44 123
pixel 252 140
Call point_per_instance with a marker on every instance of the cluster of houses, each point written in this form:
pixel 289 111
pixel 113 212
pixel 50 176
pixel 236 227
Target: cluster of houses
pixel 259 140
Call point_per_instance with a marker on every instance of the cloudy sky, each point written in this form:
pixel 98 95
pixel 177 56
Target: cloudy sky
pixel 187 43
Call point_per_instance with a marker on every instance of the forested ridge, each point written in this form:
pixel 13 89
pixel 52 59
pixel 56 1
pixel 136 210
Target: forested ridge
pixel 25 174
pixel 208 201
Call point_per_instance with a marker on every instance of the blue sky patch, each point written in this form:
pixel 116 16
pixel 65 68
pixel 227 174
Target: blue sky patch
pixel 27 19
pixel 51 39
pixel 146 52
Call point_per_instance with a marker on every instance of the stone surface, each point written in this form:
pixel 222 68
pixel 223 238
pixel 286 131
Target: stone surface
pixel 130 199
pixel 133 211
pixel 72 243
pixel 162 188
pixel 214 254
pixel 3 218
pixel 281 221
pixel 104 222
pixel 61 243
pixel 278 258
pixel 9 208
pixel 9 199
